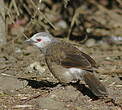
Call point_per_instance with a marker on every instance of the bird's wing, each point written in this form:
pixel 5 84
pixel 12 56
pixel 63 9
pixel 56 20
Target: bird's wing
pixel 69 56
pixel 78 61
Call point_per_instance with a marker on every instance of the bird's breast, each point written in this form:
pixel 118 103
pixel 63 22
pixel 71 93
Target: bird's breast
pixel 75 70
pixel 76 73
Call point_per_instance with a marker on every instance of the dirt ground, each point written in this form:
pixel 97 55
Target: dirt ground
pixel 24 87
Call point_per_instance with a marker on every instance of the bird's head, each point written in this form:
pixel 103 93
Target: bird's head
pixel 41 39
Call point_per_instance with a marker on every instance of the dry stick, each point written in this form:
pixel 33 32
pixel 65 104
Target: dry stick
pixel 72 24
pixel 35 97
pixel 15 6
pixel 14 23
pixel 110 72
pixel 111 55
pixel 42 14
pixel 10 6
pixel 29 12
pixel 13 3
pixel 77 12
pixel 43 24
pixel 112 62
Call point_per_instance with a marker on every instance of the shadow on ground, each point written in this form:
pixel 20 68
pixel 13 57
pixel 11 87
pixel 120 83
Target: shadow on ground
pixel 46 85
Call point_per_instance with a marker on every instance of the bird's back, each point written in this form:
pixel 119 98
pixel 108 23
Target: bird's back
pixel 67 55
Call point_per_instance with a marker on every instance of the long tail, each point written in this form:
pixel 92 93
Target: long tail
pixel 95 85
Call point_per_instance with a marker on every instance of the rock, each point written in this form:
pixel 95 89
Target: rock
pixel 18 50
pixel 66 94
pixel 48 103
pixel 36 67
pixel 61 24
pixel 90 42
pixel 9 84
pixel 104 45
pixel 2 59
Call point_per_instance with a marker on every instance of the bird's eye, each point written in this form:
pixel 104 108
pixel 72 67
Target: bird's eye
pixel 38 40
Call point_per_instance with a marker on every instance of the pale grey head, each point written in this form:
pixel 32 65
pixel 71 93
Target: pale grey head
pixel 41 39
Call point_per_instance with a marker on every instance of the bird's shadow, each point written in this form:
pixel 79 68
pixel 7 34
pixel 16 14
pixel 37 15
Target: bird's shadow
pixel 43 84
pixel 46 85
pixel 85 90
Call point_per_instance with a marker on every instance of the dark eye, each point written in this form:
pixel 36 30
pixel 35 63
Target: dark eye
pixel 38 40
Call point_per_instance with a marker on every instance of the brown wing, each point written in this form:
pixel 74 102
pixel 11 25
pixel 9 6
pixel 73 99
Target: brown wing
pixel 68 56
pixel 77 61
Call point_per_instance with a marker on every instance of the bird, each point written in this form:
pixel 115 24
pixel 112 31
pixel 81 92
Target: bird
pixel 67 63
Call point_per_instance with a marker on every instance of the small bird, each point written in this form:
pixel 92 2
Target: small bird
pixel 67 63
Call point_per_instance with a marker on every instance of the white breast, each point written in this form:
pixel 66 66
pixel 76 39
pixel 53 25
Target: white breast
pixel 76 73
pixel 75 70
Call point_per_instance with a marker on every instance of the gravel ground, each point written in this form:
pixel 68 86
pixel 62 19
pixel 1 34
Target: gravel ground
pixel 24 87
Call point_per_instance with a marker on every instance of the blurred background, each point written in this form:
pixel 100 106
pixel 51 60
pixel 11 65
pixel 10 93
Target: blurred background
pixel 76 20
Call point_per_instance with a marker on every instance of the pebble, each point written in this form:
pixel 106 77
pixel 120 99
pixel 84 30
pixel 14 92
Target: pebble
pixel 48 103
pixel 10 84
pixel 90 42
pixel 61 24
pixel 36 67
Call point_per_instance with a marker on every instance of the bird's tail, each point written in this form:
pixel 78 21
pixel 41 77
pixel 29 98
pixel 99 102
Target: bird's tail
pixel 95 85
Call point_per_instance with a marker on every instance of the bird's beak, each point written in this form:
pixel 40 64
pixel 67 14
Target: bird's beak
pixel 29 41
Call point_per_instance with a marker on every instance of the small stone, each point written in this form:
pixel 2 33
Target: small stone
pixel 10 84
pixel 108 58
pixel 36 67
pixel 61 24
pixel 2 59
pixel 18 50
pixel 90 42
